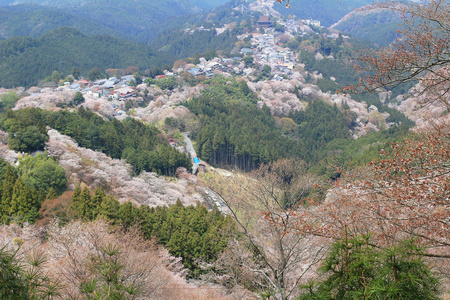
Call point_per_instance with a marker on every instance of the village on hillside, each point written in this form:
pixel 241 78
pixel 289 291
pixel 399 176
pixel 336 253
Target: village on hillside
pixel 261 58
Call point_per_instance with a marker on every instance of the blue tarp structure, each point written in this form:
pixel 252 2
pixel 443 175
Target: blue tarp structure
pixel 196 160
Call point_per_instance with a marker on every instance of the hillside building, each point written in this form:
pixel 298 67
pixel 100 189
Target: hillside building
pixel 264 21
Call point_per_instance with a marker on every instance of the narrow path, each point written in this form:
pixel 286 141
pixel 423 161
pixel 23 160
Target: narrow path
pixel 190 149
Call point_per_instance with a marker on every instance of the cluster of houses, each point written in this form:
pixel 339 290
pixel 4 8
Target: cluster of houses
pixel 201 28
pixel 267 52
pixel 222 65
pixel 264 50
pixel 114 88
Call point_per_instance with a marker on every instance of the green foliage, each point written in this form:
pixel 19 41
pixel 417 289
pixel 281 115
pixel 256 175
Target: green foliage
pixel 51 194
pixel 141 145
pixel 266 72
pixel 248 60
pixel 357 270
pixel 137 78
pixel 345 74
pixel 8 101
pixel 34 20
pixel 189 232
pixel 180 45
pixel 13 284
pixel 235 132
pixel 240 134
pixel 19 202
pixel 338 68
pixel 378 27
pixel 94 74
pixel 318 125
pixel 23 278
pixel 78 98
pixel 42 172
pixel 26 132
pixel 69 79
pixel 350 153
pixel 88 43
pixel 75 73
pixel 163 83
pixel 121 16
pixel 55 77
pixel 3 168
pixel 107 280
pixel 66 48
pixel 27 140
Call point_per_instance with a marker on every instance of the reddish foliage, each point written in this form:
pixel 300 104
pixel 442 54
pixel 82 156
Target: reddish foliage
pixel 52 208
pixel 421 53
pixel 405 194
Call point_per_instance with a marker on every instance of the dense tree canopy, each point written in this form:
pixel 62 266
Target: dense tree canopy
pixel 235 132
pixel 190 232
pixel 19 202
pixel 355 269
pixel 42 172
pixel 141 145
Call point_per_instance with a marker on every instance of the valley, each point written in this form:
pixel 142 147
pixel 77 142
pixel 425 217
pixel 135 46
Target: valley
pixel 230 146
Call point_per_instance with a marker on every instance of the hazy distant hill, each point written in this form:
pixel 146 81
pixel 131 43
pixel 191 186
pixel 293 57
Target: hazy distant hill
pixel 34 20
pixel 188 5
pixel 378 26
pixel 24 60
pixel 327 12
pixel 137 20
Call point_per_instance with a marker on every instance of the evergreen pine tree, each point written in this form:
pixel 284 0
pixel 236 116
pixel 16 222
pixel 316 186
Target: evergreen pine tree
pixel 109 208
pixel 51 194
pixel 24 204
pixel 75 206
pixel 96 203
pixel 85 204
pixel 16 197
pixel 207 150
pixel 358 270
pixel 7 193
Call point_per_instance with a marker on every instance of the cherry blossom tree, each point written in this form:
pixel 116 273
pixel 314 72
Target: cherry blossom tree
pixel 421 53
pixel 268 256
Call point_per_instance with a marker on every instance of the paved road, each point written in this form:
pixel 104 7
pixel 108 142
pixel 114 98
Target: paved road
pixel 190 149
pixel 215 199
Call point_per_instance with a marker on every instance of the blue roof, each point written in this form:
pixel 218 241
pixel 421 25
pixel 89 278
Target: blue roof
pixel 196 160
pixel 194 71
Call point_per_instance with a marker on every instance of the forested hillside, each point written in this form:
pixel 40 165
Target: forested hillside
pixel 33 20
pixel 136 20
pixel 180 6
pixel 378 26
pixel 24 61
pixel 141 145
pixel 266 170
pixel 234 132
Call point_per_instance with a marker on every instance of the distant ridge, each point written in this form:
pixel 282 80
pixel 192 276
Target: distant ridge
pixel 377 25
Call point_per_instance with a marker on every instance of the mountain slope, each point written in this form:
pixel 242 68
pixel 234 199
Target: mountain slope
pixel 327 12
pixel 188 6
pixel 34 20
pixel 376 25
pixel 136 20
pixel 24 61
